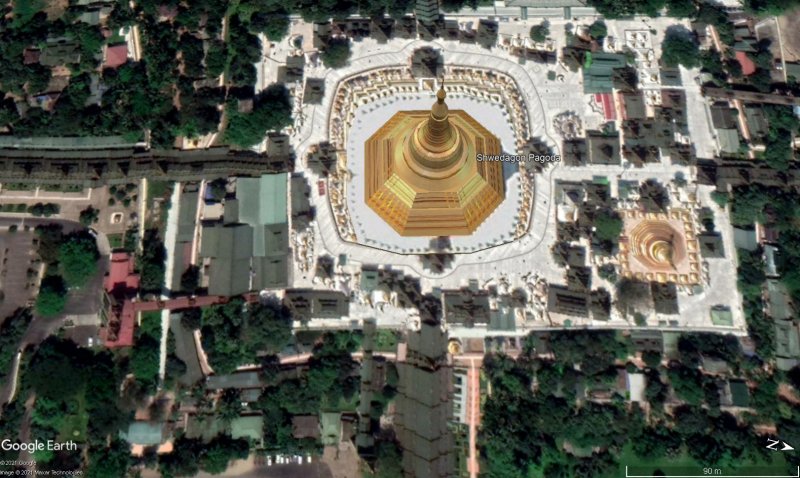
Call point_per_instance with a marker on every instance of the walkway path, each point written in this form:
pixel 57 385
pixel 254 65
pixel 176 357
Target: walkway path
pixel 170 237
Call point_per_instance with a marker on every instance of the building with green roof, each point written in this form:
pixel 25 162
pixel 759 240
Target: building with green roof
pixel 229 249
pixel 249 427
pixel 249 249
pixel 331 425
pixel 598 71
pixel 144 433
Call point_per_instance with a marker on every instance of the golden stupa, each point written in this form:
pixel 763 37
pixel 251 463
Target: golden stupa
pixel 423 176
pixel 660 247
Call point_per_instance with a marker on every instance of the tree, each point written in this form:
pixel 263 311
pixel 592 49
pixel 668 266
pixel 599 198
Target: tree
pixel 272 111
pixel 190 279
pixel 681 8
pixel 268 328
pixel 720 198
pixel 651 358
pixel 607 226
pixel 336 53
pixel 229 406
pixel 151 262
pixel 687 383
pixel 656 443
pixel 89 216
pixel 273 24
pixel 540 32
pixel 113 460
pixel 78 257
pixel 598 30
pixel 215 457
pixel 52 296
pixel 678 48
pixel 144 363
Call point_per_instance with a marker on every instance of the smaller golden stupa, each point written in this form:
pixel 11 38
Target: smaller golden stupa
pixel 660 247
pixel 422 174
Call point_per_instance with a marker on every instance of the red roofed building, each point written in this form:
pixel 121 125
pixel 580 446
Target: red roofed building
pixel 116 55
pixel 748 67
pixel 121 285
pixel 607 102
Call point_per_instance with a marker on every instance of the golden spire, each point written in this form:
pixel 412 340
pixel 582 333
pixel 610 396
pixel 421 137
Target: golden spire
pixel 435 144
pixel 661 252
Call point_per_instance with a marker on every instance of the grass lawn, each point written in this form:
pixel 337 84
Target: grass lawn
pixel 115 241
pixel 157 189
pixel 343 405
pixel 24 10
pixel 73 427
pixel 386 340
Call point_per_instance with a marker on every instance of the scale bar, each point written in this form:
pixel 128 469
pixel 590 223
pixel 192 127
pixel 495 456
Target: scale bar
pixel 797 475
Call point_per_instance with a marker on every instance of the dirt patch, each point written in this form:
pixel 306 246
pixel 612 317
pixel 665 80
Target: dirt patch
pixel 56 8
pixel 790 34
pixel 343 460
pixel 768 30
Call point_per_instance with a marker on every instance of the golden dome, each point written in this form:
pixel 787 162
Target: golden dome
pixel 656 244
pixel 661 252
pixel 422 174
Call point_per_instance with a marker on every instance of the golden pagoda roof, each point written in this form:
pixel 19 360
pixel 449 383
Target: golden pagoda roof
pixel 422 174
pixel 660 247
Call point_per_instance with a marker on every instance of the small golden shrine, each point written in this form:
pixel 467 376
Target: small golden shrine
pixel 660 247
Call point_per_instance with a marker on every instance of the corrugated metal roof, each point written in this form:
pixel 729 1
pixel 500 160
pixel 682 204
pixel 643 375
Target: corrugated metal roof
pixel 143 433
pixel 263 200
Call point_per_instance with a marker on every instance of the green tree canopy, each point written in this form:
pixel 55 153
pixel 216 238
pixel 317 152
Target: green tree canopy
pixel 336 53
pixel 78 257
pixel 678 48
pixel 52 296
pixel 272 111
pixel 539 32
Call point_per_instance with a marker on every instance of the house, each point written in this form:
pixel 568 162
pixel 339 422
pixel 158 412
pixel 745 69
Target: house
pixel 633 105
pixel 647 340
pixel 249 249
pixel 305 426
pixel 637 384
pixel 734 393
pixel 603 148
pixel 145 434
pixel 249 427
pixel 728 140
pixel 561 300
pixel 331 428
pixel 307 304
pixel 723 116
pixel 747 64
pixel 466 308
pixel 115 55
pixel 714 365
pixel 314 91
pixel 121 284
pixel 237 380
pixel 598 71
pixel 770 266
pixel 745 239
pixel 61 51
